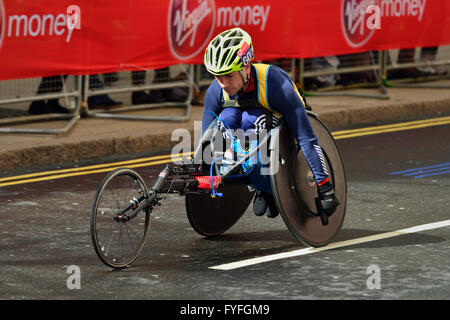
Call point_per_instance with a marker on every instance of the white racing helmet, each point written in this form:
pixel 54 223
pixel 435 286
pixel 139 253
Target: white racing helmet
pixel 229 51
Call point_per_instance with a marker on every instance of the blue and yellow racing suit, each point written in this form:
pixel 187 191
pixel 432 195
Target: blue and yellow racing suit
pixel 274 91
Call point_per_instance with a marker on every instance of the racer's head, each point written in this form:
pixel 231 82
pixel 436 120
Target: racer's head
pixel 228 57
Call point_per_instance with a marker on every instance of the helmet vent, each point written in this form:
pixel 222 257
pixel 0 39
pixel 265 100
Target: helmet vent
pixel 224 34
pixel 216 42
pixel 233 57
pixel 235 33
pixel 210 56
pixel 224 57
pixel 217 56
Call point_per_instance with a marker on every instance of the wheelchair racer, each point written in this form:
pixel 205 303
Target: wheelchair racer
pixel 264 93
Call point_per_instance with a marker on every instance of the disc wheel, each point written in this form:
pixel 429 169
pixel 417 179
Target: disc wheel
pixel 295 189
pixel 211 217
pixel 117 239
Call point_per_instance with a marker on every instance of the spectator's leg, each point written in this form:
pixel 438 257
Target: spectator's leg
pixel 48 85
pixel 428 54
pixel 141 97
pixel 174 94
pixel 407 56
pixel 109 78
pixel 102 101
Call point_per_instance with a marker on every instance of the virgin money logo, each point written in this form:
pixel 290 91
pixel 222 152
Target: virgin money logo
pixel 2 22
pixel 191 23
pixel 354 15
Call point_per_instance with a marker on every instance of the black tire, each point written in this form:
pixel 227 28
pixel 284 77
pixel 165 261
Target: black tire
pixel 118 242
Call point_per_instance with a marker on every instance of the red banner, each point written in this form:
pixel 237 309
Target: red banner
pixel 51 37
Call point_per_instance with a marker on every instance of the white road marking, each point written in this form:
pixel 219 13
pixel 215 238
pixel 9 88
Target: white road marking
pixel 310 250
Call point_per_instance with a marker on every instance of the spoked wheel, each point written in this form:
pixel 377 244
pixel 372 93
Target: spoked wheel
pixel 117 239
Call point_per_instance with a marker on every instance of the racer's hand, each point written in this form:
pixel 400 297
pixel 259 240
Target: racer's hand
pixel 327 201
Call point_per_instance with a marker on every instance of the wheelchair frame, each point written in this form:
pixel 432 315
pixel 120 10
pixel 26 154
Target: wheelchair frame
pixel 186 179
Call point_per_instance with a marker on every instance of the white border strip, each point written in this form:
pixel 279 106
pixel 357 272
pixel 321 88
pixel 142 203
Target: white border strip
pixel 306 251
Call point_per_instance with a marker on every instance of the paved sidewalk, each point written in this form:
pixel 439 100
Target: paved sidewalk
pixel 94 137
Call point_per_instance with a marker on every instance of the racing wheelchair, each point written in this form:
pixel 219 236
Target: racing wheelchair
pixel 216 200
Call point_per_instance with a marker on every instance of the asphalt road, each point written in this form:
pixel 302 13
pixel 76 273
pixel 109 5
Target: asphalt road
pixel 46 250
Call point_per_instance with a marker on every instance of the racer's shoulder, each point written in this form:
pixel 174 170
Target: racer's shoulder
pixel 277 74
pixel 214 89
pixel 213 95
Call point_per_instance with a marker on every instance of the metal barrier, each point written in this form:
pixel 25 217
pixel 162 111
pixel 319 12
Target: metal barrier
pixel 412 68
pixel 168 87
pixel 327 76
pixel 44 94
pixel 202 77
pixel 174 87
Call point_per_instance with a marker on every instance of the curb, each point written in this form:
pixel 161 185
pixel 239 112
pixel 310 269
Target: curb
pixel 86 150
pixel 337 119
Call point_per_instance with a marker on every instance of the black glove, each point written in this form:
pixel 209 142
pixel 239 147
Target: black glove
pixel 327 201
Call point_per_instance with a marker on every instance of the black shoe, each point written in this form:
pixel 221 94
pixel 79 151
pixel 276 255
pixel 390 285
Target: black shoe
pixel 177 94
pixel 103 102
pixel 260 204
pixel 157 96
pixel 141 97
pixel 406 73
pixel 37 107
pixel 264 203
pixel 41 107
pixel 55 107
pixel 272 212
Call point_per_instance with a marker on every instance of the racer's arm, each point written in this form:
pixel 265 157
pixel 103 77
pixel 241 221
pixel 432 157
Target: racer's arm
pixel 284 98
pixel 213 105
